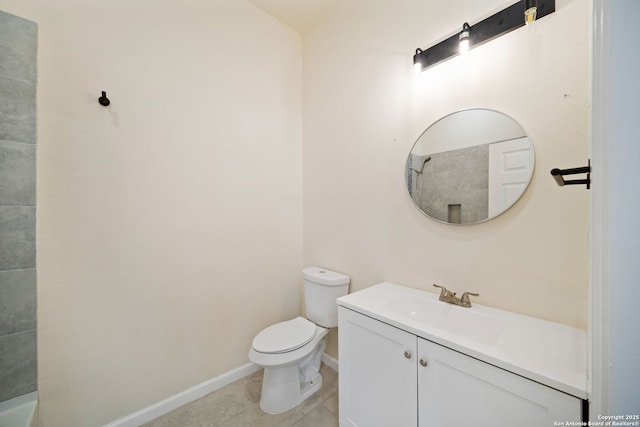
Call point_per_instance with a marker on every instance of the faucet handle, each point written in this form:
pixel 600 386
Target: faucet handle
pixel 444 291
pixel 464 301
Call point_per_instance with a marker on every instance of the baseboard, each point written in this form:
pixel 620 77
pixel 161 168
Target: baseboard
pixel 194 393
pixel 173 402
pixel 330 361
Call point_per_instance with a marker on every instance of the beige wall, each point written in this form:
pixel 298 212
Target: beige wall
pixel 363 110
pixel 169 224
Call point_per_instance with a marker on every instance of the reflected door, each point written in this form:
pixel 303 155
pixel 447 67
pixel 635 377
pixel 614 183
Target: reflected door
pixel 510 168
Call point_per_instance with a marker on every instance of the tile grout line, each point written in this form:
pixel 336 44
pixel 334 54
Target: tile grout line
pixel 11 141
pixel 34 83
pixel 17 333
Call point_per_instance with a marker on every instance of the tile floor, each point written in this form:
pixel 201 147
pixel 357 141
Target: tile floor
pixel 237 405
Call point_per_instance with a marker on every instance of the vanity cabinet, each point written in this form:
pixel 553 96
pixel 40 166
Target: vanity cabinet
pixel 390 377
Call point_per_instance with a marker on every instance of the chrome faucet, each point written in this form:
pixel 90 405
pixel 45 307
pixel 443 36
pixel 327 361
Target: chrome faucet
pixel 450 297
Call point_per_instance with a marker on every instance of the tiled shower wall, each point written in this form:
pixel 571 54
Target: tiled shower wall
pixel 457 177
pixel 18 43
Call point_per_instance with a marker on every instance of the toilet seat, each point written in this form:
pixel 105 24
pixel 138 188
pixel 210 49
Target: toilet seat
pixel 285 336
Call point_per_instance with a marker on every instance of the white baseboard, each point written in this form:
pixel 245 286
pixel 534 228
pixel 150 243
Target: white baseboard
pixel 173 402
pixel 330 361
pixel 196 392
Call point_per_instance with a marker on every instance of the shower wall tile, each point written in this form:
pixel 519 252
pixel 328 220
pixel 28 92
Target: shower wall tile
pixel 18 46
pixel 17 301
pixel 17 174
pixel 17 237
pixel 18 117
pixel 17 364
pixel 18 50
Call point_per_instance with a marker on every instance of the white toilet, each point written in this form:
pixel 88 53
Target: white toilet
pixel 290 351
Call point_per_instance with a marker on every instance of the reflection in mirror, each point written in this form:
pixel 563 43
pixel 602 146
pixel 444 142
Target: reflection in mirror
pixel 469 166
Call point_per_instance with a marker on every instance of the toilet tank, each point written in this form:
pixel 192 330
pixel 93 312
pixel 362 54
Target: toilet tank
pixel 321 289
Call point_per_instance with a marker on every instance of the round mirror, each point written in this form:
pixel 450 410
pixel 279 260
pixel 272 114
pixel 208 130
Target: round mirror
pixel 469 166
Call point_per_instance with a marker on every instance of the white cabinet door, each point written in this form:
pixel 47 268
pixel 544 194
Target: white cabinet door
pixel 457 390
pixel 377 373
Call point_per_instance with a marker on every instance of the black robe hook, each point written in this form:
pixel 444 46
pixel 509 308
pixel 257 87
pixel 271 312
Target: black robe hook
pixel 103 100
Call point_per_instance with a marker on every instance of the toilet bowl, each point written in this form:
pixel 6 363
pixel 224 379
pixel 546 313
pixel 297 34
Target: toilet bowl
pixel 292 373
pixel 290 352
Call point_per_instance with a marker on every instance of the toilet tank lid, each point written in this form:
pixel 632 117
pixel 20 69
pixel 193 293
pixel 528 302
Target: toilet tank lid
pixel 324 276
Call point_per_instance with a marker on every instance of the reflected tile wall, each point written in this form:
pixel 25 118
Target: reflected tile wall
pixel 18 48
pixel 456 177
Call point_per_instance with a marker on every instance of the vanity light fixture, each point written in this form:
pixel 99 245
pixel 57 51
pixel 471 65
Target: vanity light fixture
pixel 486 30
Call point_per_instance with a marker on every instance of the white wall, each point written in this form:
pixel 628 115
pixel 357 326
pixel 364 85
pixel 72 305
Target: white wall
pixel 169 224
pixel 363 110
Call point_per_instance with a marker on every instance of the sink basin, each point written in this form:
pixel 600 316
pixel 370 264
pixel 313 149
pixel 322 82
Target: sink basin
pixel 463 321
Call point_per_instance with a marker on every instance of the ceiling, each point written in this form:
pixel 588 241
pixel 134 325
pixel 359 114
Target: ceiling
pixel 297 14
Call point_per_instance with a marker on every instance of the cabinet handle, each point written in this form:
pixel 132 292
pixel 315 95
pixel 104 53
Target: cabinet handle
pixel 407 354
pixel 423 362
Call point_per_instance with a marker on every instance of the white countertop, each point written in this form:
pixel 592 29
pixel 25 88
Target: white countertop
pixel 549 353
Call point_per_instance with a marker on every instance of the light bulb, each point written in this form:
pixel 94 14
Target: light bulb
pixel 464 46
pixel 464 38
pixel 530 15
pixel 530 11
pixel 417 63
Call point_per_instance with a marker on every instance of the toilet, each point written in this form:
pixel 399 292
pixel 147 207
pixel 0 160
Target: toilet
pixel 290 351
